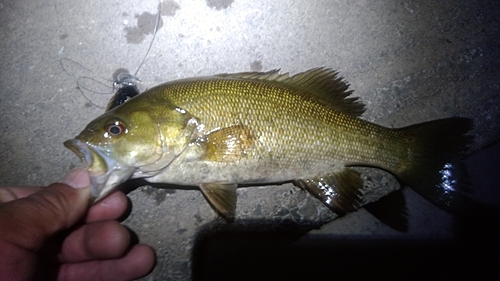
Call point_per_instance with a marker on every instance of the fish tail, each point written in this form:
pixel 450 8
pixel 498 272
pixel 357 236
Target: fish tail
pixel 434 168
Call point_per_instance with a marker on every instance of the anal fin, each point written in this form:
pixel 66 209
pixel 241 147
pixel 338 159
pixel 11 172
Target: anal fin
pixel 222 197
pixel 340 191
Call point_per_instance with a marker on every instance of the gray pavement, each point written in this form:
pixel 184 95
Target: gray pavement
pixel 409 61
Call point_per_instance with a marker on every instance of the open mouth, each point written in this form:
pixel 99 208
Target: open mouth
pixel 92 160
pixel 105 173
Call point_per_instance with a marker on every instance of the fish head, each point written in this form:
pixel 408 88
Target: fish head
pixel 128 142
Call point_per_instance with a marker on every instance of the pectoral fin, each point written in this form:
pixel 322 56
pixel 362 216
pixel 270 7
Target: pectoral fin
pixel 222 197
pixel 340 191
pixel 229 144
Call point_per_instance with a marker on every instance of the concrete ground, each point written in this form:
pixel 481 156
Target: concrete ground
pixel 409 61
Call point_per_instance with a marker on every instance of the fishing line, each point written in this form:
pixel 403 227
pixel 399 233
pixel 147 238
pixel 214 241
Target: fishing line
pixel 80 84
pixel 158 15
pixel 125 86
pixel 123 79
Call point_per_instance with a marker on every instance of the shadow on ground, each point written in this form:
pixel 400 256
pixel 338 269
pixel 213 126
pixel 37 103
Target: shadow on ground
pixel 252 251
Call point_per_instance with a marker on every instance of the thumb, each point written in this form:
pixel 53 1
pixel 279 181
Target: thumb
pixel 29 222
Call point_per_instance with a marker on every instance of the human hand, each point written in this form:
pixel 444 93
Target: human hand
pixel 51 233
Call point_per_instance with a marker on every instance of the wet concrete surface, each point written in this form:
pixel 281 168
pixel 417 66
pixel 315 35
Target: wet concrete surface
pixel 409 62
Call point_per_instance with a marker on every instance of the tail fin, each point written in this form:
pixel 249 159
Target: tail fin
pixel 434 165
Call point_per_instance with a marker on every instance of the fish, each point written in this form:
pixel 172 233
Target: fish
pixel 227 130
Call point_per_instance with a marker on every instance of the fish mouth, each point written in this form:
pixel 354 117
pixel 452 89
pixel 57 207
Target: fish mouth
pixel 105 172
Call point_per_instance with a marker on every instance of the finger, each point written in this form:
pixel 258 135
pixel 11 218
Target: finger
pixel 77 178
pixel 99 240
pixel 110 208
pixel 29 221
pixel 10 193
pixel 138 262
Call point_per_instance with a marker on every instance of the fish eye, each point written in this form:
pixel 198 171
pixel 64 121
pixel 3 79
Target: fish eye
pixel 115 129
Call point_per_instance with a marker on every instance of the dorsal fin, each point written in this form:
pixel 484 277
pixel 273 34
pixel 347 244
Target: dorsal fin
pixel 321 82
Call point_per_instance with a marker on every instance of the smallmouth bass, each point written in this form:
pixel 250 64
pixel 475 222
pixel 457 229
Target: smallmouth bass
pixel 258 128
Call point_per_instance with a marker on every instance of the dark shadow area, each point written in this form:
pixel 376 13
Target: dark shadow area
pixel 130 185
pixel 479 227
pixel 279 255
pixel 245 248
pixel 480 223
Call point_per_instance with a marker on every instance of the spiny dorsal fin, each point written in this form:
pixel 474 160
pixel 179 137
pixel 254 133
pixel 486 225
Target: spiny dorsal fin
pixel 321 82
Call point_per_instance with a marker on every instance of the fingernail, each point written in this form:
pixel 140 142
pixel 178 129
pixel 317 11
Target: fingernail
pixel 77 178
